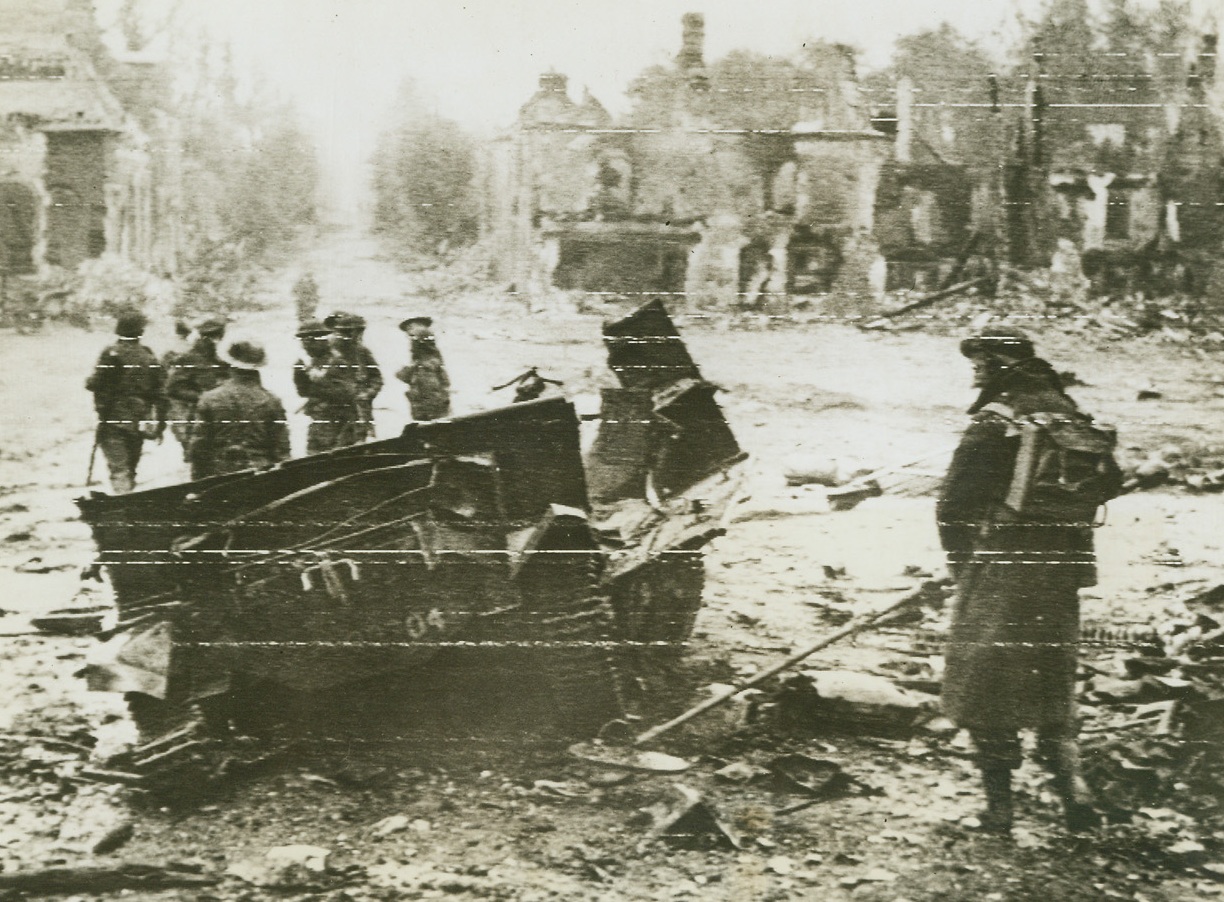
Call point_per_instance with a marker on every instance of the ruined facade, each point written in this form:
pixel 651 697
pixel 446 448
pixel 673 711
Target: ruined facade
pixel 713 196
pixel 79 177
pixel 1123 167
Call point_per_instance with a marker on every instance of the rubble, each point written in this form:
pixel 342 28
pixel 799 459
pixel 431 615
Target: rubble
pixel 293 867
pixel 847 702
pixel 687 821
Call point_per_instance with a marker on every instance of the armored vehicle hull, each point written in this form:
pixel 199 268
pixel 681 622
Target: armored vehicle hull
pixel 371 560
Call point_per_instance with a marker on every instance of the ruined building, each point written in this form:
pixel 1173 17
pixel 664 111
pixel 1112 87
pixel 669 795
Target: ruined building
pixel 747 181
pixel 78 174
pixel 1121 165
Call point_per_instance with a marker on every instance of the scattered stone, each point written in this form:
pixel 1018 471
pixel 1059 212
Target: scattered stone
pixel 1189 851
pixel 816 777
pixel 841 700
pixel 284 867
pixel 1213 868
pixel 396 823
pixel 687 821
pixel 739 772
pixel 609 778
pixel 114 838
pixel 780 865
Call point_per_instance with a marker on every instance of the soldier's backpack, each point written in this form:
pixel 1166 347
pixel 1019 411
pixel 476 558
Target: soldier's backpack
pixel 1065 468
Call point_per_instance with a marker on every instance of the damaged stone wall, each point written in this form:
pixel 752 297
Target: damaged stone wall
pixel 721 204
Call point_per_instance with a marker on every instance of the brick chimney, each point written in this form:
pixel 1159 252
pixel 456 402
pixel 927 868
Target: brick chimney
pixel 554 83
pixel 692 42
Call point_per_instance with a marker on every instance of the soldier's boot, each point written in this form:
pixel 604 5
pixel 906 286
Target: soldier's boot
pixel 1062 757
pixel 997 818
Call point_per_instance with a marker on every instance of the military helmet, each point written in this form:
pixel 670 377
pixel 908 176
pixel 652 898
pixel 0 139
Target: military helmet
pixel 424 322
pixel 211 327
pixel 1006 342
pixel 245 355
pixel 311 329
pixel 344 322
pixel 130 324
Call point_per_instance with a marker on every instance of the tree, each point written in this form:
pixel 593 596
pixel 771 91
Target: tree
pixel 424 169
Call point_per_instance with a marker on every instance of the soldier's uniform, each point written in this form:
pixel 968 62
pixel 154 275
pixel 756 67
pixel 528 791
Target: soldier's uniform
pixel 128 388
pixel 194 373
pixel 355 359
pixel 176 411
pixel 240 425
pixel 1011 655
pixel 428 385
pixel 331 400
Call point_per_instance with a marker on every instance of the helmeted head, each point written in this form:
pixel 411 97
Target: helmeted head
pixel 130 324
pixel 994 349
pixel 314 335
pixel 345 326
pixel 246 356
pixel 416 327
pixel 212 327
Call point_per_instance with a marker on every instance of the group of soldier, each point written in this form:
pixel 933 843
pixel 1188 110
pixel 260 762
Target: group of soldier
pixel 212 397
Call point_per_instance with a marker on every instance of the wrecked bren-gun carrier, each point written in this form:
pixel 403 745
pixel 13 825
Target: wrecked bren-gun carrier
pixel 370 561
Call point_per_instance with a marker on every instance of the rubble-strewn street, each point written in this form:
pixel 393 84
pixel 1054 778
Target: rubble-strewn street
pixel 840 781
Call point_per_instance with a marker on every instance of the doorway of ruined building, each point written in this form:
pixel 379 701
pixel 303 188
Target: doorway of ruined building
pixel 18 228
pixel 621 266
pixel 756 267
pixel 813 259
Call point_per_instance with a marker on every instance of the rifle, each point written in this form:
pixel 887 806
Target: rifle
pixel 103 416
pixel 93 456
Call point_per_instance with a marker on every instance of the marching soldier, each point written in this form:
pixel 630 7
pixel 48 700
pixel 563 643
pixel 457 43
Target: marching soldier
pixel 240 425
pixel 194 373
pixel 428 385
pixel 362 369
pixel 323 382
pixel 128 388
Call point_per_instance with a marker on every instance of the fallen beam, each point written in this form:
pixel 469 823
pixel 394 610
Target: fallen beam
pixel 928 300
pixel 101 878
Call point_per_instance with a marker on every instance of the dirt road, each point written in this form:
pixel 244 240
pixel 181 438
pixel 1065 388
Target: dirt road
pixel 495 815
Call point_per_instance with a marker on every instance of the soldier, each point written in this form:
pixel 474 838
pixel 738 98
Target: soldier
pixel 306 298
pixel 240 425
pixel 428 385
pixel 362 368
pixel 128 386
pixel 323 381
pixel 177 411
pixel 1011 655
pixel 194 373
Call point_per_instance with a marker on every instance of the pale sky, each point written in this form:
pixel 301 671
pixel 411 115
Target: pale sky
pixel 479 60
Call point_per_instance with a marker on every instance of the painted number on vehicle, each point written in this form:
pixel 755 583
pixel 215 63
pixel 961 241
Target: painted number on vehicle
pixel 417 625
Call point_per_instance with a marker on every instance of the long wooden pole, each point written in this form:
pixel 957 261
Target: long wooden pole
pixel 848 630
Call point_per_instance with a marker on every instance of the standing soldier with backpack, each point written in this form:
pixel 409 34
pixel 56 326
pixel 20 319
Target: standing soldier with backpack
pixel 324 383
pixel 127 386
pixel 428 385
pixel 1015 519
pixel 240 425
pixel 194 373
pixel 355 359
